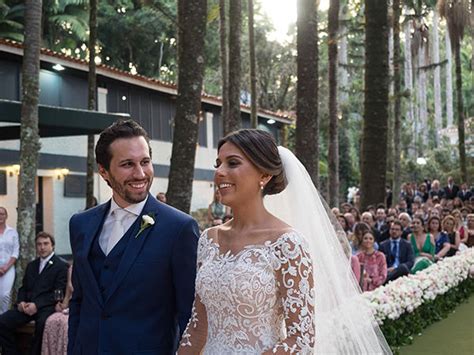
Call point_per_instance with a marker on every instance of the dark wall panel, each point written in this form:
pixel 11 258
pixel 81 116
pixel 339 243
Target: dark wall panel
pixel 10 74
pixel 74 92
pixel 50 88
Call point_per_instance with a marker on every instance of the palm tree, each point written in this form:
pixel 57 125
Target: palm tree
pixel 234 121
pixel 397 96
pixel 192 17
pixel 333 154
pixel 29 137
pixel 92 100
pixel 374 140
pixel 456 13
pixel 11 21
pixel 307 125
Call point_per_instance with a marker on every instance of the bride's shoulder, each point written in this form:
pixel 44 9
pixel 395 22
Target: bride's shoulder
pixel 291 236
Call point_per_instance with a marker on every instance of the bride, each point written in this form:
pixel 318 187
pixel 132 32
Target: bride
pixel 274 279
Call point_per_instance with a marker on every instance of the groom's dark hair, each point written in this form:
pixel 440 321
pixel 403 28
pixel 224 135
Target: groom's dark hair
pixel 119 129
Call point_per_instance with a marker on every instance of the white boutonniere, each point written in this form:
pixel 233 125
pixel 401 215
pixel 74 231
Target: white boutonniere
pixel 147 221
pixel 50 262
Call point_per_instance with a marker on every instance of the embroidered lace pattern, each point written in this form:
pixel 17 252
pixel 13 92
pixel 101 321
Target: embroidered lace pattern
pixel 259 299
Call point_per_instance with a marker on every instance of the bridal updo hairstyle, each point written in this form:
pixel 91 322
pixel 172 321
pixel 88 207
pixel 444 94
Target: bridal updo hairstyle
pixel 261 149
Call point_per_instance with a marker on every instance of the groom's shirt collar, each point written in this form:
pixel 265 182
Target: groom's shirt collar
pixel 135 209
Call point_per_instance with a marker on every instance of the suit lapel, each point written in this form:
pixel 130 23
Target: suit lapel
pixel 134 245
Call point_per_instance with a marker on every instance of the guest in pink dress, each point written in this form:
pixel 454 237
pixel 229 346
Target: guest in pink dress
pixel 56 327
pixel 374 263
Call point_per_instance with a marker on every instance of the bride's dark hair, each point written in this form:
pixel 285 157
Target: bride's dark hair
pixel 261 149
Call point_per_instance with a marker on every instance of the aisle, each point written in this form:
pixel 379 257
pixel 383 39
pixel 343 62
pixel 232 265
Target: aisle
pixel 453 335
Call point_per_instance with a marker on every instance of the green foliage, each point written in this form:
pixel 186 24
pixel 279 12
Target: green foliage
pixel 11 21
pixel 400 332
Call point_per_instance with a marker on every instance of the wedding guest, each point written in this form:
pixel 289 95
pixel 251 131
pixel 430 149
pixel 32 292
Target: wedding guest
pixel 56 327
pixel 350 220
pixel 441 239
pixel 359 231
pixel 423 246
pixel 9 251
pixel 451 190
pixel 470 230
pixel 405 219
pixel 436 191
pixel 35 297
pixel 449 224
pixel 216 210
pixel 374 263
pixel 398 253
pixel 464 193
pixel 161 196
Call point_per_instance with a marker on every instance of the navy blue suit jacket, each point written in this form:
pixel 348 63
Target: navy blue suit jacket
pixel 405 254
pixel 149 303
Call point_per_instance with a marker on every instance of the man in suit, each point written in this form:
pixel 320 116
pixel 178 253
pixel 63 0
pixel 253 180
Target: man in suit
pixel 35 299
pixel 134 258
pixel 398 253
pixel 464 194
pixel 451 190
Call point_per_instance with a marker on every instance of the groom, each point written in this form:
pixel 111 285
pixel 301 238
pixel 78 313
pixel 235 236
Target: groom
pixel 134 258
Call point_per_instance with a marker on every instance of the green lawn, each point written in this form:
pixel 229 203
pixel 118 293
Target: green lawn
pixel 453 335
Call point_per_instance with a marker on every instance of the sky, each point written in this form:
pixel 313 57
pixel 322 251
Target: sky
pixel 283 14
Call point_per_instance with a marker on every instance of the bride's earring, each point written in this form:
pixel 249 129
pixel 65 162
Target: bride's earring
pixel 262 186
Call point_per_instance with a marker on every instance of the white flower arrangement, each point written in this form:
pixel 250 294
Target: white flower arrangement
pixel 407 293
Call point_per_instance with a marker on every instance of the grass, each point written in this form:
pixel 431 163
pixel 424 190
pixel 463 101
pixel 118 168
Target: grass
pixel 453 335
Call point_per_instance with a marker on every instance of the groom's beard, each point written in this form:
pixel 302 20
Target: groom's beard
pixel 126 192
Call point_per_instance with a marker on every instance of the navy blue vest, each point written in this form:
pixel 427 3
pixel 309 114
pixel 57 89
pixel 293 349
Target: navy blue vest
pixel 105 267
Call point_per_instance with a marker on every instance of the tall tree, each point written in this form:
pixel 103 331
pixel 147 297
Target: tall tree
pixel 224 60
pixel 397 120
pixel 456 13
pixel 92 100
pixel 192 17
pixel 234 121
pixel 408 79
pixel 449 80
pixel 436 75
pixel 333 154
pixel 253 67
pixel 374 140
pixel 307 125
pixel 29 137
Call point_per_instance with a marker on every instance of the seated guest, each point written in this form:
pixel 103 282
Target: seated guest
pixel 442 244
pixel 368 218
pixel 398 253
pixel 55 330
pixel 374 263
pixel 350 221
pixel 436 190
pixel 451 190
pixel 448 225
pixel 161 196
pixel 470 230
pixel 464 193
pixel 423 246
pixel 359 230
pixel 35 299
pixel 405 219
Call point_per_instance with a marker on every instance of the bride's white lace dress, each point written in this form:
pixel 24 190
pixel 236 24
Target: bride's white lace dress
pixel 260 299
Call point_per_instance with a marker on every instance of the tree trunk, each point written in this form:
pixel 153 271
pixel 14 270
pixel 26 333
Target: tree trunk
pixel 92 101
pixel 374 141
pixel 234 121
pixel 343 82
pixel 192 17
pixel 436 77
pixel 397 121
pixel 391 98
pixel 253 69
pixel 408 70
pixel 460 114
pixel 307 126
pixel 224 61
pixel 449 81
pixel 29 137
pixel 333 154
pixel 422 100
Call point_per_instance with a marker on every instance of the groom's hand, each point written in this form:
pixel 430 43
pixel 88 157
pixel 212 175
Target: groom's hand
pixel 21 307
pixel 30 308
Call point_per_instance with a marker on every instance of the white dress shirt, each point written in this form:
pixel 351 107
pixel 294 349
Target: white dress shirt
pixel 44 261
pixel 133 212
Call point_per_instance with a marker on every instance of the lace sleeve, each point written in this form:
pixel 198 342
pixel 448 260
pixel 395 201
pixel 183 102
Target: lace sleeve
pixel 296 287
pixel 194 337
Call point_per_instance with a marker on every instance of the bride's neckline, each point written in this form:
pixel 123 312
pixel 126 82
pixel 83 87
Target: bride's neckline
pixel 230 254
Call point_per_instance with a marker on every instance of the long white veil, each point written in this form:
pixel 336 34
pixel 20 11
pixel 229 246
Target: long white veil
pixel 344 322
